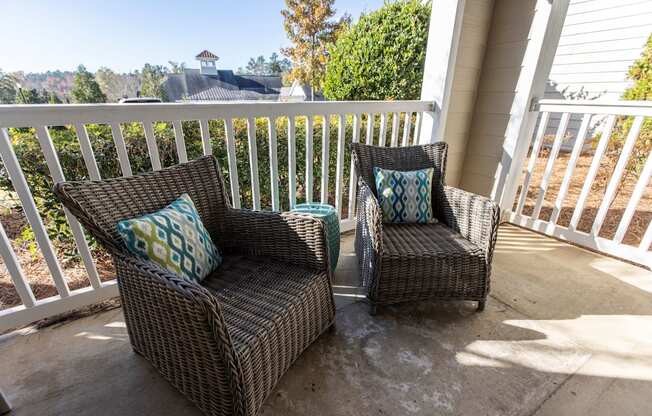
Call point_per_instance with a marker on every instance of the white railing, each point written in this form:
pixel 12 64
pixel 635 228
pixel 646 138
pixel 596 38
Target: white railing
pixel 599 124
pixel 42 117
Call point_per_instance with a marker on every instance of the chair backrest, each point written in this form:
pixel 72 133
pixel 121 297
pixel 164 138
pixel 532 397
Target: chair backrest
pixel 407 158
pixel 99 205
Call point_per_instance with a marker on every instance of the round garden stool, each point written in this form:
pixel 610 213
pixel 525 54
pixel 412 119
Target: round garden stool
pixel 329 215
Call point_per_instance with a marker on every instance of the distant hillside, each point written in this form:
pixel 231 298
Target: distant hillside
pixel 114 85
pixel 58 82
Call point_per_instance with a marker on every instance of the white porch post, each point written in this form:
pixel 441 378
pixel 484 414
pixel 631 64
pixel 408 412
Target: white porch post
pixel 544 36
pixel 441 53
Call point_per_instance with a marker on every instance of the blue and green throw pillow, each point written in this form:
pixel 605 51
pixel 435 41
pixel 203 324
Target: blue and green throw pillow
pixel 405 197
pixel 174 238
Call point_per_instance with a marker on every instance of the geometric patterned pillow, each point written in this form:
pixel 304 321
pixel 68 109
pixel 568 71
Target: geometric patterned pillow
pixel 174 238
pixel 405 197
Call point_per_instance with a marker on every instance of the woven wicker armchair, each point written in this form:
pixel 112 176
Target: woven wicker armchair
pixel 226 342
pixel 448 260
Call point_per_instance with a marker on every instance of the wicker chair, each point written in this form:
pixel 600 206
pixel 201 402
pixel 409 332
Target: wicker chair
pixel 226 342
pixel 448 260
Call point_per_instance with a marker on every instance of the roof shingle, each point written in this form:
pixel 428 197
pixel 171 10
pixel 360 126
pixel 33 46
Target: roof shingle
pixel 207 54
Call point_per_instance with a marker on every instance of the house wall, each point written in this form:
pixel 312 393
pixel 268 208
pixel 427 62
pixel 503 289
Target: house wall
pixel 599 42
pixel 506 43
pixel 472 44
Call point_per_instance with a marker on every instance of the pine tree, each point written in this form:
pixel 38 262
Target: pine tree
pixel 85 89
pixel 310 27
pixel 151 80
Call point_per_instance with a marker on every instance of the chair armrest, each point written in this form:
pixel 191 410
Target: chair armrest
pixel 286 236
pixel 475 217
pixel 179 327
pixel 370 216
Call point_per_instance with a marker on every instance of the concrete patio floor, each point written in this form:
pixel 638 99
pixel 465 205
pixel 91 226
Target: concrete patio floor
pixel 566 332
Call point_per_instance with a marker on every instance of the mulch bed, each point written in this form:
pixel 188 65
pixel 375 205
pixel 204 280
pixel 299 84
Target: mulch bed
pixel 639 222
pixel 35 268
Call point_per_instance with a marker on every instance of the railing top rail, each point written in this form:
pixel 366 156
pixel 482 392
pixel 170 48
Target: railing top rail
pixel 62 114
pixel 597 102
pixel 617 107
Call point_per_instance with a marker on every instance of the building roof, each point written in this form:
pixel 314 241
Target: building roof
pixel 207 55
pixel 191 85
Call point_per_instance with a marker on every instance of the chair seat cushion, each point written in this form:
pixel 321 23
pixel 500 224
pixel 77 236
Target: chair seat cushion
pixel 426 240
pixel 273 311
pixel 422 261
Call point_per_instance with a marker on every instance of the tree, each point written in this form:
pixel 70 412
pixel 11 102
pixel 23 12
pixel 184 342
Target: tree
pixel 309 26
pixel 278 66
pixel 177 67
pixel 641 73
pixel 256 66
pixel 53 98
pixel 261 66
pixel 110 83
pixel 7 88
pixel 382 56
pixel 151 80
pixel 32 96
pixel 85 89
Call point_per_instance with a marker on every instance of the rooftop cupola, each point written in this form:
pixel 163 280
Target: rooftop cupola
pixel 207 61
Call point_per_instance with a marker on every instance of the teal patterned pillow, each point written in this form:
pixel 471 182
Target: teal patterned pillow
pixel 174 238
pixel 405 196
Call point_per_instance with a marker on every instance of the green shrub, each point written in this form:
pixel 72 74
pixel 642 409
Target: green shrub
pixel 67 146
pixel 381 57
pixel 65 141
pixel 641 73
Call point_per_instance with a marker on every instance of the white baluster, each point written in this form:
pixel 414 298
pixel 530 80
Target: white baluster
pixel 152 147
pixel 87 152
pixel 273 163
pixel 180 141
pixel 253 162
pixel 205 137
pixel 292 163
pixel 233 163
pixel 309 157
pixel 395 120
pixel 353 178
pixel 407 125
pixel 325 157
pixel 339 169
pixel 121 149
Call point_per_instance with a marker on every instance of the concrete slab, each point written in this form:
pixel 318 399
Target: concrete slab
pixel 567 332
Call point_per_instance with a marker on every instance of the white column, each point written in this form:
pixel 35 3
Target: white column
pixel 545 31
pixel 441 53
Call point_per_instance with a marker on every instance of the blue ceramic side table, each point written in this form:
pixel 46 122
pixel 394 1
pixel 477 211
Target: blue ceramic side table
pixel 329 215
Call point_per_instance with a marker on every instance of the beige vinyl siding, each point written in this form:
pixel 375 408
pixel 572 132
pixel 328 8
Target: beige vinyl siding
pixel 468 64
pixel 507 39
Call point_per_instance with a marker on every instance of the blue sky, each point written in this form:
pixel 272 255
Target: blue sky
pixel 38 35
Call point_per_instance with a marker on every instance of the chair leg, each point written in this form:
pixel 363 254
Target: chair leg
pixel 481 305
